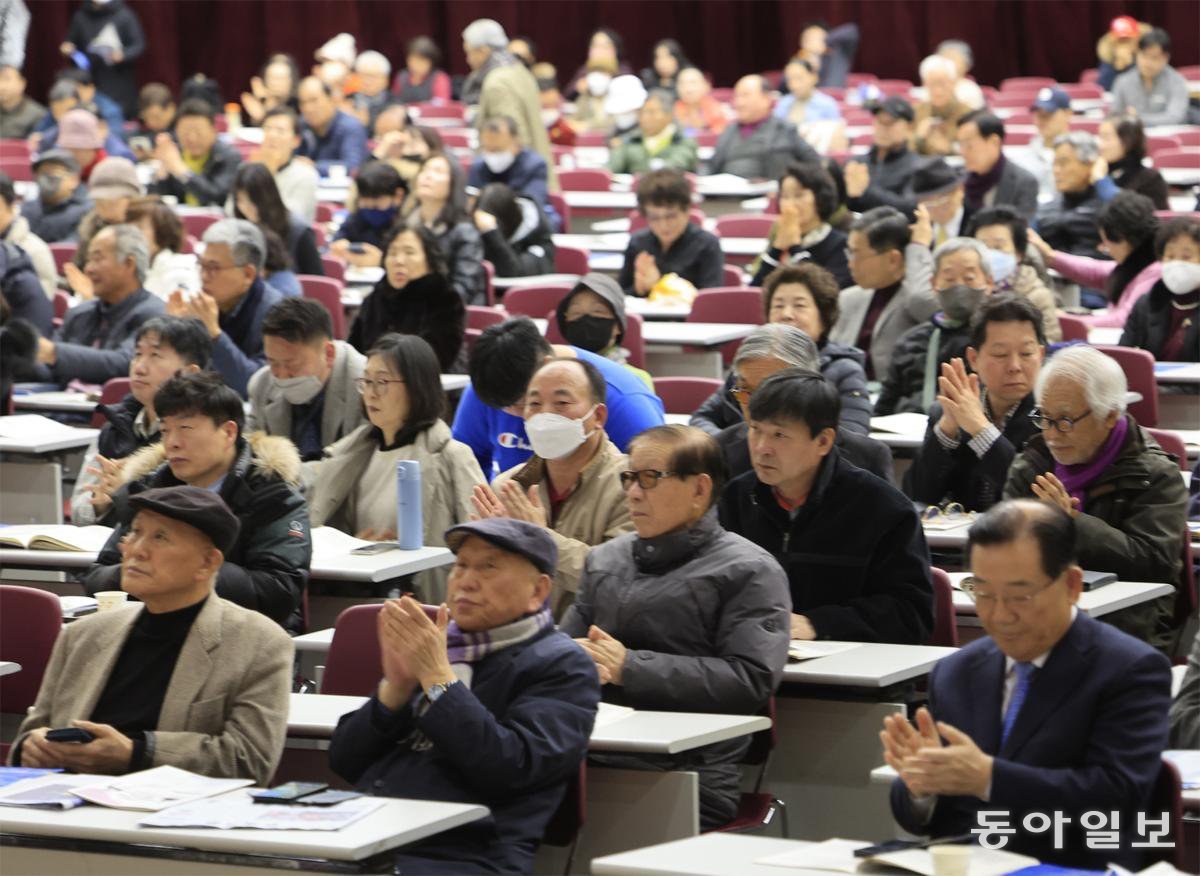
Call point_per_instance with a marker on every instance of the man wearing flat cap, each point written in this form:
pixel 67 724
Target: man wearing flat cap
pixel 486 703
pixel 184 677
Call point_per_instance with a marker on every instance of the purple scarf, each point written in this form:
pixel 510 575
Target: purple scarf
pixel 463 647
pixel 1077 478
pixel 977 185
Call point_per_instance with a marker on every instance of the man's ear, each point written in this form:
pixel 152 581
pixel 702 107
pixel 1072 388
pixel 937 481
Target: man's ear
pixel 330 353
pixel 600 415
pixel 826 438
pixel 972 358
pixel 541 592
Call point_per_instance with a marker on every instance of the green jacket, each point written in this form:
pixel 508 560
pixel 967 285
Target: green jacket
pixel 631 156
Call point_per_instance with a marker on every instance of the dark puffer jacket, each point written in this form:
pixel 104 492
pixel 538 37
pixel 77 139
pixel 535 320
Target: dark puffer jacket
pixel 427 307
pixel 904 385
pixel 1150 321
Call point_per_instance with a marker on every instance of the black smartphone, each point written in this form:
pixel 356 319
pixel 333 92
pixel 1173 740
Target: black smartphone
pixel 69 734
pixel 328 798
pixel 288 793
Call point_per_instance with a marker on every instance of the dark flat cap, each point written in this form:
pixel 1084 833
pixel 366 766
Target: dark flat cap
pixel 515 536
pixel 934 178
pixel 200 508
pixel 895 106
pixel 57 156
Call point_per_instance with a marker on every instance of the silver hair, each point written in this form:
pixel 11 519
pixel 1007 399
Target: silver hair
pixel 936 62
pixel 373 58
pixel 246 243
pixel 1086 146
pixel 961 244
pixel 485 33
pixel 959 46
pixel 1103 381
pixel 777 340
pixel 130 243
pixel 62 89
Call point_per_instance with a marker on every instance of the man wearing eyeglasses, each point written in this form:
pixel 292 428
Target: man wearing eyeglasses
pixel 1052 712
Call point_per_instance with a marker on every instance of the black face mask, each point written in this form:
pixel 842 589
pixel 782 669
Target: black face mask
pixel 591 333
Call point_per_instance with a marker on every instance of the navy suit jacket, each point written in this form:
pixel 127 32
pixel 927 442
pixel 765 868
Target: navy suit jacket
pixel 1089 737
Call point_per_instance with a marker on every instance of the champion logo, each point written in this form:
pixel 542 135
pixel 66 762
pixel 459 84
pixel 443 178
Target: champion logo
pixel 513 441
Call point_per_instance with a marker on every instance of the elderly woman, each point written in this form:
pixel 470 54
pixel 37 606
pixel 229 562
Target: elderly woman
pixel 697 111
pixel 1096 463
pixel 1163 320
pixel 170 267
pixel 682 615
pixel 808 198
pixel 937 116
pixel 1068 223
pixel 1005 233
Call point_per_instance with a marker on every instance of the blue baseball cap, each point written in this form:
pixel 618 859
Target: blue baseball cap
pixel 1050 99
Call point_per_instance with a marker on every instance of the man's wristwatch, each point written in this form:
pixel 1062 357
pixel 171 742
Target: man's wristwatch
pixel 437 690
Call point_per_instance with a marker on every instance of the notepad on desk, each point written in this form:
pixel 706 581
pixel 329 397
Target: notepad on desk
pixel 32 427
pixel 50 537
pixel 901 424
pixel 799 649
pixel 155 789
pixel 837 856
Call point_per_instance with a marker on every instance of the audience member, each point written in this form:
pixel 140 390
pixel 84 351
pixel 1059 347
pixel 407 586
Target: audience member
pixel 14 229
pixel 884 177
pixel 439 203
pixel 374 71
pixel 803 104
pixel 256 199
pixel 850 543
pixel 1052 116
pixel 1117 48
pixel 199 170
pixel 807 200
pixel 515 232
pixel 1153 91
pixel 892 268
pixel 605 47
pixel 613 111
pixel 1068 223
pixel 523 48
pixel 759 146
pixel 62 97
pixel 204 445
pixel 503 158
pixel 414 297
pixel 966 91
pixel 829 50
pixel 170 267
pixel 936 117
pixel 379 193
pixel 184 679
pixel 656 143
pixel 1163 321
pixel 696 110
pixel 670 243
pixel 330 136
pixel 1185 710
pixel 669 59
pixel 110 34
pixel 941 190
pixel 233 299
pixel 156 115
pixel 490 414
pixel 571 485
pixel 1122 144
pixel 274 88
pixel 62 197
pixel 79 133
pixel 592 317
pixel 1006 235
pixel 164 346
pixel 1051 710
pixel 980 421
pixel 296 180
pixel 421 81
pixel 23 296
pixel 335 64
pixel 518 701
pixel 111 113
pixel 993 180
pixel 113 187
pixel 1097 464
pixel 682 615
pixel 962 279
pixel 19 113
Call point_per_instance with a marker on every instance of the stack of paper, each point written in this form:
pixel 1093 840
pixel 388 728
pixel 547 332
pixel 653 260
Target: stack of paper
pixel 155 789
pixel 837 855
pixel 240 811
pixel 799 649
pixel 53 791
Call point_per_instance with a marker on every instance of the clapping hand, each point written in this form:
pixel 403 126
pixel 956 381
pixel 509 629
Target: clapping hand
pixel 961 400
pixel 645 273
pixel 108 472
pixel 606 652
pixel 1050 489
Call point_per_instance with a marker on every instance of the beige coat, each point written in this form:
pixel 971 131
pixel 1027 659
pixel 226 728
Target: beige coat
pixel 512 91
pixel 226 708
pixel 38 252
pixel 1029 285
pixel 449 473
pixel 594 513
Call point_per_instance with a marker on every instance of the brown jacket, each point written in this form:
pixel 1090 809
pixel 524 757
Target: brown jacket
pixel 1029 286
pixel 935 128
pixel 512 91
pixel 226 708
pixel 591 515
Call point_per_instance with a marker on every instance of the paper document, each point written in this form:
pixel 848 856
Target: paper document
pixel 240 811
pixel 77 606
pixel 327 542
pixel 901 424
pixel 11 775
pixel 1188 764
pixel 837 855
pixel 364 274
pixel 155 789
pixel 54 791
pixel 799 649
pixel 610 714
pixel 33 427
pixel 50 537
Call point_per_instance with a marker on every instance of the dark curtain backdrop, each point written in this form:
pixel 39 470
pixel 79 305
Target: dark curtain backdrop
pixel 228 39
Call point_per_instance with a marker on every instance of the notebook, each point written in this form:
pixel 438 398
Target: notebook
pixel 48 537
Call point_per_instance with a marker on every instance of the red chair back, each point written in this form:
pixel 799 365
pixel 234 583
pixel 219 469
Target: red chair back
pixel 731 275
pixel 329 292
pixel 455 139
pixel 196 224
pixel 16 166
pixel 1138 366
pixel 1160 143
pixel 571 260
pixel 562 208
pixel 62 303
pixel 63 252
pixel 353 666
pixel 633 340
pixel 534 301
pixel 481 317
pixel 1185 157
pixel 894 87
pixel 1073 327
pixel 29 624
pixel 1026 83
pixel 744 225
pixel 585 179
pixel 334 267
pixel 1082 90
pixel 945 626
pixel 489 280
pixel 112 392
pixel 727 305
pixel 1190 137
pixel 447 110
pixel 1172 443
pixel 325 212
pixel 682 395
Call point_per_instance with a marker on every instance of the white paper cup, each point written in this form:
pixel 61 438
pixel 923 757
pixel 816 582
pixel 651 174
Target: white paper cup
pixel 337 173
pixel 110 599
pixel 950 859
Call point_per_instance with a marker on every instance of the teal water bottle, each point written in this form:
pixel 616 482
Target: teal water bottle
pixel 410 525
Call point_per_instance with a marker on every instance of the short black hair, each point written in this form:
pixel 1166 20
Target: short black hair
pixel 615 38
pixel 1132 135
pixel 1005 308
pixel 203 394
pixel 664 187
pixel 815 179
pixel 693 452
pixel 885 228
pixel 1128 217
pixel 286 112
pixel 1003 214
pixel 76 74
pixel 596 382
pixel 413 359
pixel 797 394
pixel 815 22
pixel 504 359
pixel 1155 36
pixel 821 285
pixel 194 106
pixel 986 121
pixel 377 179
pixel 187 337
pixel 424 47
pixel 154 94
pixel 1051 527
pixel 435 258
pixel 298 320
pixel 501 201
pixel 8 192
pixel 1180 226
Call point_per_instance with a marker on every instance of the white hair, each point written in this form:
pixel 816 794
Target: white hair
pixel 1103 381
pixel 129 243
pixel 246 243
pixel 934 63
pixel 485 33
pixel 961 244
pixel 959 46
pixel 777 340
pixel 1086 146
pixel 374 59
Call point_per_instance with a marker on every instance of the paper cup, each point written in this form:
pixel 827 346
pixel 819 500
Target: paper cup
pixel 950 860
pixel 110 599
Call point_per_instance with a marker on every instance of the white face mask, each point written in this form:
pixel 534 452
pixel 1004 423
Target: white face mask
pixel 1181 277
pixel 553 436
pixel 1004 264
pixel 498 162
pixel 597 83
pixel 625 121
pixel 299 390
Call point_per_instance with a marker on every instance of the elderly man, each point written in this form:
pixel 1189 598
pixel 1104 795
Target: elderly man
pixel 1052 115
pixel 980 421
pixel 966 92
pixel 1096 463
pixel 330 136
pixel 296 180
pixel 759 146
pixel 374 73
pixel 851 544
pixel 937 115
pixel 503 158
pixel 185 679
pixel 1068 223
pixel 892 270
pixel 571 485
pixel 1052 711
pixel 938 187
pixel 991 178
pixel 19 113
pixel 487 704
pixel 883 178
pixel 62 199
pixel 14 229
pixel 502 86
pixel 204 445
pixel 198 169
pixel 962 279
pixel 233 299
pixel 1153 91
pixel 306 391
pixel 657 142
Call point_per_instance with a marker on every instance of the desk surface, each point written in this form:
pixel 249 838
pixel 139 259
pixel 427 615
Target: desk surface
pixel 1177 372
pixel 710 854
pixel 7 667
pixel 63 402
pixel 1105 600
pixel 870 665
pixel 30 433
pixel 397 823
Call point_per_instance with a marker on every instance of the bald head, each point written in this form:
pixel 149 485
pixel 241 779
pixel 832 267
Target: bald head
pixel 316 103
pixel 751 100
